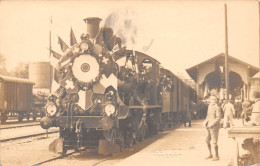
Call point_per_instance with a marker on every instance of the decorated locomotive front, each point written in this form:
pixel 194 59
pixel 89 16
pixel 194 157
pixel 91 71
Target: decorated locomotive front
pixel 87 77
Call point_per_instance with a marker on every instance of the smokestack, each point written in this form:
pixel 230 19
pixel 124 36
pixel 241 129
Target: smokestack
pixel 92 26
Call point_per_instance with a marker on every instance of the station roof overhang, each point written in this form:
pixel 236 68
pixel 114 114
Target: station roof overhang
pixel 220 60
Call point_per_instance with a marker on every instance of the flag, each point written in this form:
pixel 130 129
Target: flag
pixel 56 55
pixel 73 40
pixel 115 49
pixel 121 61
pixel 104 83
pixel 54 59
pixel 63 45
pixel 55 80
pixel 85 99
pixel 69 85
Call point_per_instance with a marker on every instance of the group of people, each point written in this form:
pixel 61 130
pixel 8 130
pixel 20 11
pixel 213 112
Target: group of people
pixel 235 110
pixel 212 123
pixel 215 110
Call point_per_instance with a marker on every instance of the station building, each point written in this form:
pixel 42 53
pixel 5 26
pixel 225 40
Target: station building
pixel 210 78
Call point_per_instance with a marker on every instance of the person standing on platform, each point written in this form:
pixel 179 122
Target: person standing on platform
pixel 229 112
pixel 238 108
pixel 255 117
pixel 212 125
pixel 246 106
pixel 186 116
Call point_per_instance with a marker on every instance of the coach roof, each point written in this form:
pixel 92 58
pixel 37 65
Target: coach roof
pixel 15 79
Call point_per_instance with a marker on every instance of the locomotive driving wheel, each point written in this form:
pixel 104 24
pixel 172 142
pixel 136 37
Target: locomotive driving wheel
pixel 130 139
pixel 120 139
pixel 141 134
pixel 113 136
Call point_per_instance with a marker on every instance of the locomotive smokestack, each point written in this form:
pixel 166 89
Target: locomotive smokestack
pixel 92 26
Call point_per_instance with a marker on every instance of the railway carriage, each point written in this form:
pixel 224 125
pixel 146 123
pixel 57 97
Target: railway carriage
pixel 15 97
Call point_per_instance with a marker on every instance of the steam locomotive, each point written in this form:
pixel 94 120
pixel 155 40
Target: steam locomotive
pixel 108 92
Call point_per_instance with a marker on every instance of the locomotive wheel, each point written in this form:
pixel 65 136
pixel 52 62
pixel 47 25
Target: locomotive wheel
pixel 129 139
pixel 34 118
pixel 134 137
pixel 42 114
pixel 64 150
pixel 34 115
pixel 3 118
pixel 120 140
pixel 20 117
pixel 113 136
pixel 141 133
pixel 159 123
pixel 28 116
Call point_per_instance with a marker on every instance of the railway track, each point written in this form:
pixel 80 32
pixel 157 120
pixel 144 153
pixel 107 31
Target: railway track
pixel 27 136
pixel 69 154
pixel 18 126
pixel 54 158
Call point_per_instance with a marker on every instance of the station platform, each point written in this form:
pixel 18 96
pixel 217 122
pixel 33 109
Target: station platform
pixel 183 146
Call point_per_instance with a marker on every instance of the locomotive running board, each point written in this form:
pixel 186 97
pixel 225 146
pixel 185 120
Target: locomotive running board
pixel 124 110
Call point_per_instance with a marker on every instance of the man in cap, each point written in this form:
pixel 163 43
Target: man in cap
pixel 212 124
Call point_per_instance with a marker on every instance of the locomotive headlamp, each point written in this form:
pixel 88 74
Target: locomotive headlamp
pixel 51 109
pixel 83 46
pixel 110 109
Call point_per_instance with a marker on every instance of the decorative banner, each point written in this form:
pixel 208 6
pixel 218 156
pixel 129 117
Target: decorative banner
pixel 85 68
pixel 104 83
pixel 69 85
pixel 85 99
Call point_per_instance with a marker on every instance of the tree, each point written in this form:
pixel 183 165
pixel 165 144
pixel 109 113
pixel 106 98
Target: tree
pixel 21 70
pixel 3 70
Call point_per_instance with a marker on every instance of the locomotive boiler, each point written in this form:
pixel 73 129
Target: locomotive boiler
pixel 106 92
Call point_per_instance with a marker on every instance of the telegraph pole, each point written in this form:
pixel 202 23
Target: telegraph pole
pixel 226 55
pixel 259 37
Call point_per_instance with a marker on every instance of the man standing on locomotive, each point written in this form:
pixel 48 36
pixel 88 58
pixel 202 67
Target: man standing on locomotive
pixel 212 125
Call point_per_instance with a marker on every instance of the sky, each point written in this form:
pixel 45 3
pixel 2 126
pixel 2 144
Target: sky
pixel 179 34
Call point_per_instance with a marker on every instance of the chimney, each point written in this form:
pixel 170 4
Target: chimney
pixel 92 26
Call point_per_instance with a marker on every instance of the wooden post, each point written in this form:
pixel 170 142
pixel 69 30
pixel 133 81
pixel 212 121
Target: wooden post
pixel 236 152
pixel 197 81
pixel 226 55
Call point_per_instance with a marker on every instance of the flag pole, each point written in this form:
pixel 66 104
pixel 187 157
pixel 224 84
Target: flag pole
pixel 226 55
pixel 51 68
